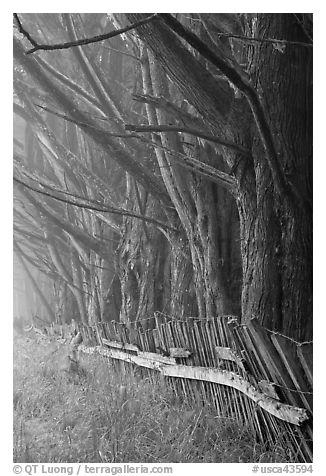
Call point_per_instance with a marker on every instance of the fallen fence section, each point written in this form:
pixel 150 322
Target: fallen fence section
pixel 168 368
pixel 256 376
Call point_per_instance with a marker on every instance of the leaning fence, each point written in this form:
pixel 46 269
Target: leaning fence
pixel 258 377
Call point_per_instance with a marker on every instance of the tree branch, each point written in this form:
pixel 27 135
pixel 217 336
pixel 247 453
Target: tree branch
pixel 249 92
pixel 192 164
pixel 76 88
pixel 273 41
pixel 50 272
pixel 186 130
pixel 98 208
pixel 84 41
pixel 86 124
pixel 160 102
pixel 136 58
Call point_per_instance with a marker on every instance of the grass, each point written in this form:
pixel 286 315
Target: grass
pixel 100 415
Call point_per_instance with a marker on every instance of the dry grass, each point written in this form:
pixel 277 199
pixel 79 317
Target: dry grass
pixel 100 415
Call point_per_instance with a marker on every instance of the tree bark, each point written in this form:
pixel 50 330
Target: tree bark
pixel 277 237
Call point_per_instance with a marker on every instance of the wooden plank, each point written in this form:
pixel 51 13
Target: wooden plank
pixel 287 350
pixel 120 355
pixel 305 354
pixel 219 390
pixel 231 396
pixel 268 388
pixel 226 353
pixel 282 411
pixel 167 342
pixel 110 330
pixel 224 397
pixel 150 340
pixel 179 352
pixel 176 339
pixel 98 333
pixel 156 338
pixel 265 363
pixel 269 362
pixel 244 406
pixel 201 359
pixel 92 335
pixel 150 355
pixel 193 387
pixel 184 344
pixel 120 345
pixel 243 344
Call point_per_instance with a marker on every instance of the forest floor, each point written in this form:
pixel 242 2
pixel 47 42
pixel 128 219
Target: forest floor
pixel 99 415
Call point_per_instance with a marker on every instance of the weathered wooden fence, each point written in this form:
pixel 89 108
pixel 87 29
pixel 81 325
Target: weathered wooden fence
pixel 248 373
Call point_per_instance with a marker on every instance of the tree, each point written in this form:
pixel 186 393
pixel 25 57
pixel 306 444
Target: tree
pixel 214 159
pixel 273 185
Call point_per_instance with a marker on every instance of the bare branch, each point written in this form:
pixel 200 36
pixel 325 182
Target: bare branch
pixel 98 208
pixel 161 102
pixel 84 41
pixel 71 84
pixel 195 166
pixel 273 41
pixel 86 124
pixel 136 58
pixel 186 130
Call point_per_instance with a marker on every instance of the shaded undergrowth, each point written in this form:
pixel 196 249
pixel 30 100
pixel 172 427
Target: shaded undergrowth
pixel 98 414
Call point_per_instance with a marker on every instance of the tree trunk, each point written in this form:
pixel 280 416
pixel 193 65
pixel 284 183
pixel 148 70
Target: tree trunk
pixel 277 236
pixel 275 221
pixel 193 198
